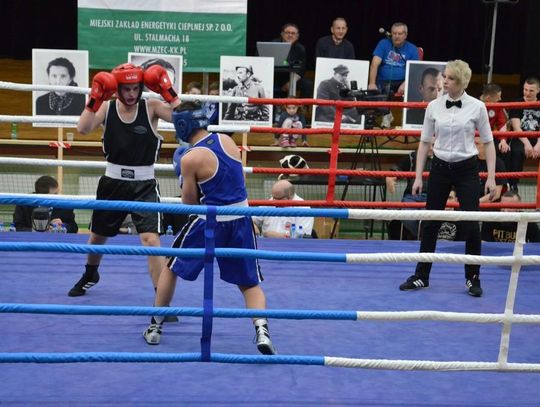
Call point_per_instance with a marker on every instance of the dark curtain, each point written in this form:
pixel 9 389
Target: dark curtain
pixel 445 29
pixel 457 29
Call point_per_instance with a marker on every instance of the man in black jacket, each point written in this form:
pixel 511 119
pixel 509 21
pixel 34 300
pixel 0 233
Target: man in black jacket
pixel 296 60
pixel 22 217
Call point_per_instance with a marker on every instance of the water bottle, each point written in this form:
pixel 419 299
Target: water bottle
pixel 54 228
pixel 288 231
pixel 169 231
pixel 300 232
pixel 14 131
pixel 293 231
pixel 2 226
pixel 12 227
pixel 129 231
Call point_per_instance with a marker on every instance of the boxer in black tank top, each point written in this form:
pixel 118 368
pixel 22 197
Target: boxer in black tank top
pixel 131 146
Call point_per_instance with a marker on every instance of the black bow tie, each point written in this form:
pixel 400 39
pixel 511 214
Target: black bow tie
pixel 457 104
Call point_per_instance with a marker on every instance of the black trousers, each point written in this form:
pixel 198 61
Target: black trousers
pixel 513 161
pixel 462 175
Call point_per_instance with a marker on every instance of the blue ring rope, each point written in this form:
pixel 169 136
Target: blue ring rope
pixel 209 253
pixel 58 309
pixel 172 208
pixel 168 252
pixel 130 357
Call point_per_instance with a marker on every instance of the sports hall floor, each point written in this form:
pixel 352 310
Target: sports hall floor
pixel 32 277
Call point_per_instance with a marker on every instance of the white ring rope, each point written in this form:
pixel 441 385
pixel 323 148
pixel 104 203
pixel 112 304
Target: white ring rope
pixel 76 89
pixel 447 317
pixel 44 162
pixel 70 163
pixel 70 121
pixel 429 365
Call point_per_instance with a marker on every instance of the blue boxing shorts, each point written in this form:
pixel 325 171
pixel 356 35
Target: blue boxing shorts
pixel 236 233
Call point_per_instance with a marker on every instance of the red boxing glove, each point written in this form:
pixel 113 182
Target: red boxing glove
pixel 157 80
pixel 103 87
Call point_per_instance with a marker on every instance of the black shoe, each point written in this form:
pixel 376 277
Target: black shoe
pixel 88 279
pixel 414 283
pixel 473 284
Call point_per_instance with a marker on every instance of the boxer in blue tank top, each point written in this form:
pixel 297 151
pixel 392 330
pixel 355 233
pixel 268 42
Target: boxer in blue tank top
pixel 212 174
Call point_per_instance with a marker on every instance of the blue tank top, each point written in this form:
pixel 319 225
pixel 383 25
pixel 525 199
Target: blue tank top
pixel 227 185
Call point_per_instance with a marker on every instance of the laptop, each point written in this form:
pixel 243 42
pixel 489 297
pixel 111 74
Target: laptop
pixel 277 50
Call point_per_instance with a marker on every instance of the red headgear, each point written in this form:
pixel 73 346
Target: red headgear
pixel 126 74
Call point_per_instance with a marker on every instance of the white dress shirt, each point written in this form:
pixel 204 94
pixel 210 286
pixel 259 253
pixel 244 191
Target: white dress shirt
pixel 454 128
pixel 277 223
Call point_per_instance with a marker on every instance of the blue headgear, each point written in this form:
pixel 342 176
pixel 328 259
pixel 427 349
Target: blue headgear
pixel 189 120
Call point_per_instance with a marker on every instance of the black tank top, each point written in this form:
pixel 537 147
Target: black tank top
pixel 132 144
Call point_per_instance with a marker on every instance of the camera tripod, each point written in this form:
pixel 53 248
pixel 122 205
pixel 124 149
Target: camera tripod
pixel 367 155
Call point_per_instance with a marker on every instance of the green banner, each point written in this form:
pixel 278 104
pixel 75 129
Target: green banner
pixel 201 38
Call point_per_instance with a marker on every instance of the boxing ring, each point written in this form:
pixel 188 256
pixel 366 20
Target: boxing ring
pixel 396 330
pixel 331 303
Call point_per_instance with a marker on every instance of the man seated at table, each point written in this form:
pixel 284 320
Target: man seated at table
pixel 54 217
pixel 280 226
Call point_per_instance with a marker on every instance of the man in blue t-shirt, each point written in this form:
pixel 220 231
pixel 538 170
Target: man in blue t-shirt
pixel 387 70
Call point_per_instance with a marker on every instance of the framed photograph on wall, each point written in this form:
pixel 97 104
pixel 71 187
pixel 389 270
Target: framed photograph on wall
pixel 172 63
pixel 334 79
pixel 59 67
pixel 246 77
pixel 423 83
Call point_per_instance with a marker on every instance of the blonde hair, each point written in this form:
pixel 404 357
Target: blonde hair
pixel 461 71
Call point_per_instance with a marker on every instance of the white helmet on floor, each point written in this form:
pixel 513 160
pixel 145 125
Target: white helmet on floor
pixel 293 161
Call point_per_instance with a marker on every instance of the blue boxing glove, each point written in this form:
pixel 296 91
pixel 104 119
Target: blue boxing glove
pixel 177 157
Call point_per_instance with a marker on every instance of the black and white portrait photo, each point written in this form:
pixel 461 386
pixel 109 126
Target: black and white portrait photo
pixel 59 68
pixel 251 77
pixel 423 83
pixel 171 63
pixel 334 80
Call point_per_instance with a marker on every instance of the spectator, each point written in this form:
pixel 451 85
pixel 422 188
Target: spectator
pixel 387 69
pixel 492 93
pixel 526 119
pixel 295 60
pixel 506 231
pixel 335 45
pixel 454 165
pixel 22 217
pixel 332 89
pixel 274 226
pixel 61 72
pixel 292 118
pixel 194 88
pixel 430 88
pixel 213 89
